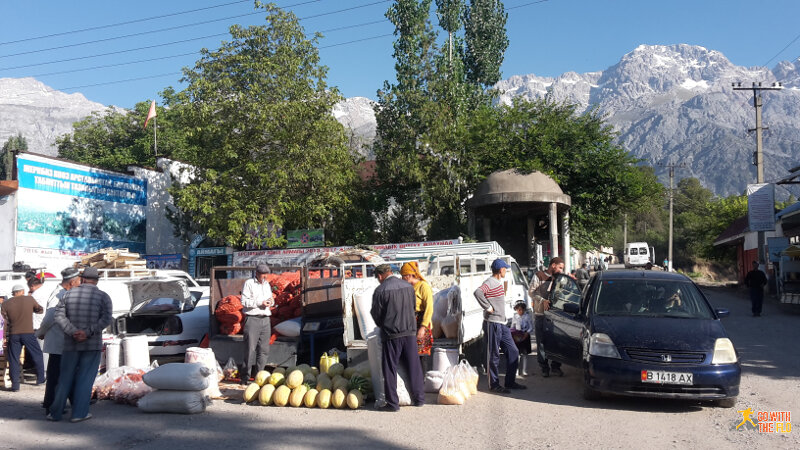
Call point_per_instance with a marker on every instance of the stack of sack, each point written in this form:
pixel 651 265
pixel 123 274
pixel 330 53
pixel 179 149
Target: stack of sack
pixel 459 382
pixel 177 388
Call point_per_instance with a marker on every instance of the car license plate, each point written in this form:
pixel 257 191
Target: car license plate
pixel 660 377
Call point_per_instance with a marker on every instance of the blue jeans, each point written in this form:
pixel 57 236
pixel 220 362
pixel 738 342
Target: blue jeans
pixel 78 371
pixel 32 349
pixel 498 337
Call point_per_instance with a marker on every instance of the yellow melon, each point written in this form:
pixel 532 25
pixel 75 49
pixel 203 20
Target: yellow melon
pixel 251 392
pixel 297 395
pixel 310 399
pixel 324 398
pixel 262 377
pixel 294 379
pixel 265 394
pixel 276 379
pixel 338 398
pixel 281 396
pixel 355 399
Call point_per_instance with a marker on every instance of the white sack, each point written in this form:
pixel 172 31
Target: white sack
pixel 179 402
pixel 179 377
pixel 433 381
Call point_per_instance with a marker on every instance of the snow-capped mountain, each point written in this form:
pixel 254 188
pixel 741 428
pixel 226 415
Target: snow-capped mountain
pixel 670 105
pixel 675 104
pixel 39 113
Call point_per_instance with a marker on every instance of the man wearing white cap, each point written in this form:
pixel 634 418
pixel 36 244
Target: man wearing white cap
pixel 18 317
pixel 256 301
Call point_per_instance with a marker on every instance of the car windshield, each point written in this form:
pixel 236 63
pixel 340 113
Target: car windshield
pixel 651 298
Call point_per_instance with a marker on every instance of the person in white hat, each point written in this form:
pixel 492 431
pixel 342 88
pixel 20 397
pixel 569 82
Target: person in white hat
pixel 18 317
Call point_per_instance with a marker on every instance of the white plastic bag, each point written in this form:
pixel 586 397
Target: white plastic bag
pixel 450 393
pixel 179 402
pixel 179 377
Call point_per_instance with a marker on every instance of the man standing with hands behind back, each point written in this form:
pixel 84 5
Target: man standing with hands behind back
pixel 83 313
pixel 256 301
pixel 18 317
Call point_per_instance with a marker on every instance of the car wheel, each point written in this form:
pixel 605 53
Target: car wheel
pixel 726 402
pixel 589 393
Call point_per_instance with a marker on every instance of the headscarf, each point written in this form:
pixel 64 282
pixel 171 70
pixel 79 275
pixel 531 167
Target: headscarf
pixel 412 268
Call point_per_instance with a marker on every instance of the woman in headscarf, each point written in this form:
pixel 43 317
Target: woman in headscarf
pixel 424 310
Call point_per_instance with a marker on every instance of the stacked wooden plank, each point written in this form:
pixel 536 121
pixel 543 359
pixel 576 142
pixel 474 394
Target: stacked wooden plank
pixel 115 258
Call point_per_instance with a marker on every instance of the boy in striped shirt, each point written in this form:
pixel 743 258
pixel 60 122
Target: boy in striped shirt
pixel 491 295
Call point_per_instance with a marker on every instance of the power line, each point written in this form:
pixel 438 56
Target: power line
pixel 177 73
pixel 783 49
pixel 525 4
pixel 185 40
pixel 116 52
pixel 100 27
pixel 106 66
pixel 143 33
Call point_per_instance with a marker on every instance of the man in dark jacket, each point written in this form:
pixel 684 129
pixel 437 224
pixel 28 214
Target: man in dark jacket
pixel 393 306
pixel 756 280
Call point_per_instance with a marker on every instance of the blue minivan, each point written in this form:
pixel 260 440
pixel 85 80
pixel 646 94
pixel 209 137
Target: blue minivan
pixel 642 333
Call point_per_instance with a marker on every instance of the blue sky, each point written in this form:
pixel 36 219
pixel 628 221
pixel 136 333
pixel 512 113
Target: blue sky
pixel 546 38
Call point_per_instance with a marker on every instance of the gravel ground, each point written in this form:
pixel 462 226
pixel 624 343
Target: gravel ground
pixel 551 413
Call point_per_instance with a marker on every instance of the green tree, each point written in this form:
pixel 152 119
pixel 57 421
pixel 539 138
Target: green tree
pixel 12 146
pixel 268 152
pixel 578 152
pixel 486 41
pixel 116 139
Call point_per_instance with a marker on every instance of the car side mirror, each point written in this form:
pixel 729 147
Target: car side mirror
pixel 572 308
pixel 722 312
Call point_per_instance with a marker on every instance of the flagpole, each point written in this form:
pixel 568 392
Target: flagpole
pixel 155 134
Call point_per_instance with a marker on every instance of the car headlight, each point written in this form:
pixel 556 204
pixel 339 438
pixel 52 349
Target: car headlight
pixel 602 345
pixel 724 353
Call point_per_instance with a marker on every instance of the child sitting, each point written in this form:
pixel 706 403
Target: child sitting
pixel 521 329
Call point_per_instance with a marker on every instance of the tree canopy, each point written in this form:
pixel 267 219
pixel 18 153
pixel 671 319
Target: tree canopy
pixel 268 152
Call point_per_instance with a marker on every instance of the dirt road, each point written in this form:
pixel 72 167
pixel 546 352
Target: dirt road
pixel 551 413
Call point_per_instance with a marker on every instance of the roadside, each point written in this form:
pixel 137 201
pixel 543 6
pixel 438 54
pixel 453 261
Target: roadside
pixel 550 413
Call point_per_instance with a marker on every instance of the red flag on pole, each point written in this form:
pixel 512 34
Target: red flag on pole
pixel 151 113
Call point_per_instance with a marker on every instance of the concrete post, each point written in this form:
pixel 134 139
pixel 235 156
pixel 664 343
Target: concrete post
pixel 553 230
pixel 565 242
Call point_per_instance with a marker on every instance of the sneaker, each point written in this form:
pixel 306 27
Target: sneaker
pixel 557 371
pixel 387 408
pixel 516 386
pixel 81 419
pixel 51 418
pixel 499 390
pixel 546 374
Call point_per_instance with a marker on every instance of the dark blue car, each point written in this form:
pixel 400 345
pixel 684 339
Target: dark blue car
pixel 642 333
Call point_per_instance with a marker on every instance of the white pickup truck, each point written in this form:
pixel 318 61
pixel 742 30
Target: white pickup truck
pixel 465 269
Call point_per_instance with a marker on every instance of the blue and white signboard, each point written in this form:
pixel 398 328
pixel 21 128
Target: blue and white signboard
pixel 66 206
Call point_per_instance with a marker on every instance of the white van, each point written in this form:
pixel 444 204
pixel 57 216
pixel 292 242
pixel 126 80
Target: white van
pixel 637 254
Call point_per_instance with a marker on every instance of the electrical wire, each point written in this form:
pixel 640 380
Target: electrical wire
pixel 100 27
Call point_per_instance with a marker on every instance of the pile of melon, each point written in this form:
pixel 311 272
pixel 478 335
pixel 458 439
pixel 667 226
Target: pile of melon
pixel 304 385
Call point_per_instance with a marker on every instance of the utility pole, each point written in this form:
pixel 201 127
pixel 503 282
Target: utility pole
pixel 759 154
pixel 671 196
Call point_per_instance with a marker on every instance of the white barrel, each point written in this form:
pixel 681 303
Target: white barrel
pixel 136 351
pixel 444 358
pixel 112 354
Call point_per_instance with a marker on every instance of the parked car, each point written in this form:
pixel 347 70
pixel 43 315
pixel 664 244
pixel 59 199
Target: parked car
pixel 173 314
pixel 642 333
